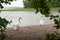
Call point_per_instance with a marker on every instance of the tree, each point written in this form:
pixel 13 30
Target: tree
pixel 54 3
pixel 51 3
pixel 4 1
pixel 27 4
pixel 43 7
pixel 3 21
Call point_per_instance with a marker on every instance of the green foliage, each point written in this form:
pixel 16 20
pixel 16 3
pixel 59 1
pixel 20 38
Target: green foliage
pixel 51 3
pixel 59 10
pixel 56 21
pixel 54 3
pixel 4 1
pixel 3 21
pixel 41 6
pixel 3 25
pixel 53 36
pixel 27 4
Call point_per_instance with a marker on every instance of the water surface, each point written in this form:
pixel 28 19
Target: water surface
pixel 28 18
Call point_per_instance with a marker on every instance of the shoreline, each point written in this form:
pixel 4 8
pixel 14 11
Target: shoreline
pixel 11 26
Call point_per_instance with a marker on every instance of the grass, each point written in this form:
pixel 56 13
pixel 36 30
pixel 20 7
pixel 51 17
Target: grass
pixel 55 9
pixel 27 9
pixel 19 9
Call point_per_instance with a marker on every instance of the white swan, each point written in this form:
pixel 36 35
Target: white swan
pixel 41 22
pixel 16 26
